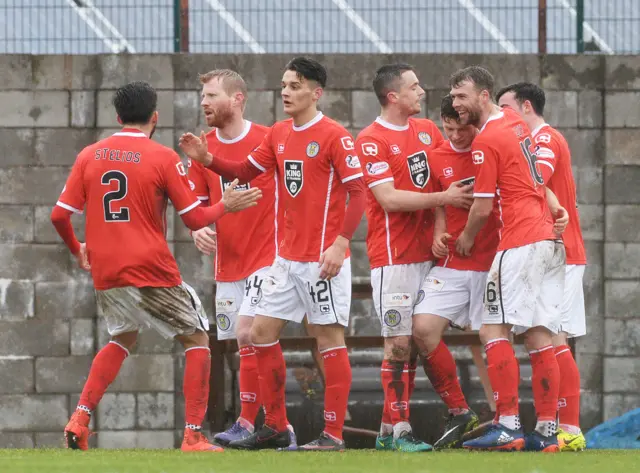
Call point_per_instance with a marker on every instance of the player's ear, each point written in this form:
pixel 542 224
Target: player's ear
pixel 119 119
pixel 317 93
pixel 155 117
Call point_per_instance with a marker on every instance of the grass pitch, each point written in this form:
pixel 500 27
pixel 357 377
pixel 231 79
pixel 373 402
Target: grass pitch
pixel 360 461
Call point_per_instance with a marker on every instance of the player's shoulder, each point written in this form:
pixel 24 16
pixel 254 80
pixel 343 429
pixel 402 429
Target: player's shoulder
pixel 332 128
pixel 258 129
pixel 548 134
pixel 422 123
pixel 374 132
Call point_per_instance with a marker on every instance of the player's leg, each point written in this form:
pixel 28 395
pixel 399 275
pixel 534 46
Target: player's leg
pixel 545 378
pixel 233 299
pixel 570 436
pixel 114 305
pixel 511 291
pixel 446 301
pixel 327 304
pixel 282 303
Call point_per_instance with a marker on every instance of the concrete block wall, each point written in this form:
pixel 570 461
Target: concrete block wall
pixel 52 106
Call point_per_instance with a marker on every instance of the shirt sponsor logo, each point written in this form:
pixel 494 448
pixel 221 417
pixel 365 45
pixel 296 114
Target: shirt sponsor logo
pixel 448 172
pixel 293 178
pixel 418 169
pixel 395 149
pixel 225 183
pixel 280 148
pixel 180 168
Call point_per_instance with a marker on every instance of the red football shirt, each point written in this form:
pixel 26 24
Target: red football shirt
pixel 247 240
pixel 554 160
pixel 122 183
pixel 401 155
pixel 313 161
pixel 505 165
pixel 448 165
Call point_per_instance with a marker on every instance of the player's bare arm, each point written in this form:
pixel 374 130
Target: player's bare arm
pixel 333 257
pixel 440 248
pixel 559 213
pixel 196 148
pixel 478 215
pixel 396 200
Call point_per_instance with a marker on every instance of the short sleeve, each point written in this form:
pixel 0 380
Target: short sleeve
pixel 374 157
pixel 485 160
pixel 73 196
pixel 547 151
pixel 344 157
pixel 197 181
pixel 177 185
pixel 263 157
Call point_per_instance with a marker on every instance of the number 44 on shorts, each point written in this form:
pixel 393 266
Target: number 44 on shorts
pixel 491 297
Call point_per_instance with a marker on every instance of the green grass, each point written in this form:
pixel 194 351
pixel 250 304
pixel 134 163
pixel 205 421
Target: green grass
pixel 365 461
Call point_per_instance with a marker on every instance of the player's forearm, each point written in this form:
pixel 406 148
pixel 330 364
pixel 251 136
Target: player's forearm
pixel 476 220
pixel 552 201
pixel 200 216
pixel 355 209
pixel 440 221
pixel 409 201
pixel 244 171
pixel 61 220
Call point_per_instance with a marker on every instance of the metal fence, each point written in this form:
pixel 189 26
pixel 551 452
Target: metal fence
pixel 320 26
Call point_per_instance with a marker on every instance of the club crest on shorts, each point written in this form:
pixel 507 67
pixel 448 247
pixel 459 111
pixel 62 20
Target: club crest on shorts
pixel 425 138
pixel 293 179
pixel 313 149
pixel 225 183
pixel 418 169
pixel 392 318
pixel 223 322
pixel 420 297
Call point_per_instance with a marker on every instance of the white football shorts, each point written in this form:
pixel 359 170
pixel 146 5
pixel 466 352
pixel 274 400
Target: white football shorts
pixel 573 320
pixel 454 294
pixel 525 287
pixel 396 291
pixel 237 298
pixel 291 289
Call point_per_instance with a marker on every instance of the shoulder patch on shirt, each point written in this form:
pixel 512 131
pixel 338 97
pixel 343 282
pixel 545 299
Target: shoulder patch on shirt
pixel 374 169
pixel 542 152
pixel 369 149
pixel 543 138
pixel 352 161
pixel 347 143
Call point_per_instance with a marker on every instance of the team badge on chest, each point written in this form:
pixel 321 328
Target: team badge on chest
pixel 418 169
pixel 313 149
pixel 293 179
pixel 425 138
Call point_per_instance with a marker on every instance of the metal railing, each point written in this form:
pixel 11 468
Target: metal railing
pixel 320 26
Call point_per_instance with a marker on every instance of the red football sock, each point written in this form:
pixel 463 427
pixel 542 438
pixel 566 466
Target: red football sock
pixel 273 374
pixel 395 383
pixel 197 372
pixel 502 367
pixel 569 393
pixel 441 369
pixel 545 383
pixel 413 364
pixel 336 392
pixel 104 369
pixel 250 401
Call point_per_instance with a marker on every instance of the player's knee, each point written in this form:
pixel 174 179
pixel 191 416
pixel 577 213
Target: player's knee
pixel 560 339
pixel 397 348
pixel 328 336
pixel 127 340
pixel 199 338
pixel 537 337
pixel 243 336
pixel 427 330
pixel 490 332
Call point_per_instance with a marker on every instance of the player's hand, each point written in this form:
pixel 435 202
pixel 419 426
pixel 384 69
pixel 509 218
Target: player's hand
pixel 237 200
pixel 82 258
pixel 459 195
pixel 562 220
pixel 333 257
pixel 464 244
pixel 195 148
pixel 440 248
pixel 205 240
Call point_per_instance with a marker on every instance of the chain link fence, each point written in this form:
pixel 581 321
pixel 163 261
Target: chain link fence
pixel 320 26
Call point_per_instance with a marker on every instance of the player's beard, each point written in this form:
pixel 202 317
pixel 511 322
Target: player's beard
pixel 220 117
